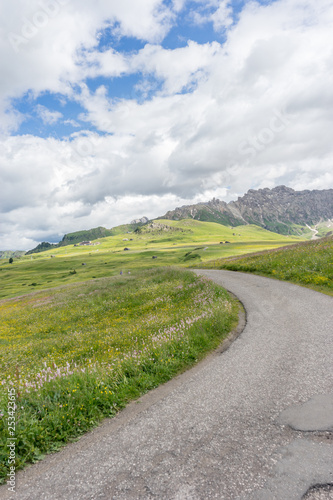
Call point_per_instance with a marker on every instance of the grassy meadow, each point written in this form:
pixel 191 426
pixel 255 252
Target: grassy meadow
pixel 85 329
pixel 177 243
pixel 76 354
pixel 308 263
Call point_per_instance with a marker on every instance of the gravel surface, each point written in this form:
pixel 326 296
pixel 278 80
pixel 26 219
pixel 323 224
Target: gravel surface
pixel 216 432
pixel 320 493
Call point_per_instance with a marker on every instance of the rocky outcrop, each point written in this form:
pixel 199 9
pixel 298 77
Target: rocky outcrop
pixel 143 220
pixel 278 209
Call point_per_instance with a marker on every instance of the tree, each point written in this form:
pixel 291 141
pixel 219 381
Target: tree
pixel 11 260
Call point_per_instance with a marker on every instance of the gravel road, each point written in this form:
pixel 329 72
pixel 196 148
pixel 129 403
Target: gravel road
pixel 253 423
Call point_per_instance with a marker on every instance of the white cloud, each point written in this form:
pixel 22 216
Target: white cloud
pixel 108 63
pixel 217 12
pixel 10 118
pixel 178 5
pixel 222 17
pixel 178 69
pixel 73 123
pixel 48 117
pixel 42 42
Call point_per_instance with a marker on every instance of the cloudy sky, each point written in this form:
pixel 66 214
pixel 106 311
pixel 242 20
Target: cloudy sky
pixel 111 110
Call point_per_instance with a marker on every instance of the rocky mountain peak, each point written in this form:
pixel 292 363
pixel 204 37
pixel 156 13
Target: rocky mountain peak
pixel 279 209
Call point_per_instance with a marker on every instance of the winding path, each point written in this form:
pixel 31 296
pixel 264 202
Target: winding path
pixel 251 423
pixel 315 232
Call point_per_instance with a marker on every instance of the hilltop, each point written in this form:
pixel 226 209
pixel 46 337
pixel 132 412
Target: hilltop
pixel 84 236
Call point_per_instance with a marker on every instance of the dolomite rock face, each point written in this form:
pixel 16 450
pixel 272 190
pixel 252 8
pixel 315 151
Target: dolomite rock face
pixel 143 220
pixel 273 209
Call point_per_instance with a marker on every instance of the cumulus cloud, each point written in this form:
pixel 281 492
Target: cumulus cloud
pixel 71 122
pixel 253 111
pixel 41 42
pixel 178 69
pixel 222 17
pixel 217 12
pixel 48 117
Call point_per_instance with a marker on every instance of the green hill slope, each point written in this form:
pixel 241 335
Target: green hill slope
pixel 159 243
pixel 85 235
pixel 308 263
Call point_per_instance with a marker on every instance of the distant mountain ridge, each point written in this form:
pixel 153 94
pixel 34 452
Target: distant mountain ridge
pixel 73 238
pixel 280 209
pixel 87 235
pixel 6 254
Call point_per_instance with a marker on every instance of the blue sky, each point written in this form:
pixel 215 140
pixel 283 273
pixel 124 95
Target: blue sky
pixel 111 111
pixel 183 29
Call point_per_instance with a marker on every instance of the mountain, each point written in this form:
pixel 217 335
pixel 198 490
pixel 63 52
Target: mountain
pixel 86 235
pixel 42 247
pixel 143 220
pixel 6 254
pixel 73 238
pixel 280 209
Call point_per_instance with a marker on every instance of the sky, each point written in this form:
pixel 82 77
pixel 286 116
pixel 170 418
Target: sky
pixel 110 111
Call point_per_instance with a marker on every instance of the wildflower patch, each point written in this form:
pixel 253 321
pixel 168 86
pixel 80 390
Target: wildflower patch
pixel 88 349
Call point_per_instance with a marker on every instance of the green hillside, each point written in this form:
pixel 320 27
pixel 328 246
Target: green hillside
pixel 101 324
pixel 85 235
pixel 73 238
pixel 308 263
pixel 160 243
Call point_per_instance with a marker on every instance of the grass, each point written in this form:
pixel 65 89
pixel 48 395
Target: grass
pixel 325 228
pixel 176 243
pixel 308 264
pixel 84 330
pixel 74 355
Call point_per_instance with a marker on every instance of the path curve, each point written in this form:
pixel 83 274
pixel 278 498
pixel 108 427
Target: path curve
pixel 227 429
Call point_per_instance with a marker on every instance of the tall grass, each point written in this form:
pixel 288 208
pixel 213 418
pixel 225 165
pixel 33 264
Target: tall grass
pixel 78 354
pixel 309 263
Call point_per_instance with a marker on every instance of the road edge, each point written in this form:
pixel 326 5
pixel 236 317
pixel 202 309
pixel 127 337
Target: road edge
pixel 131 411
